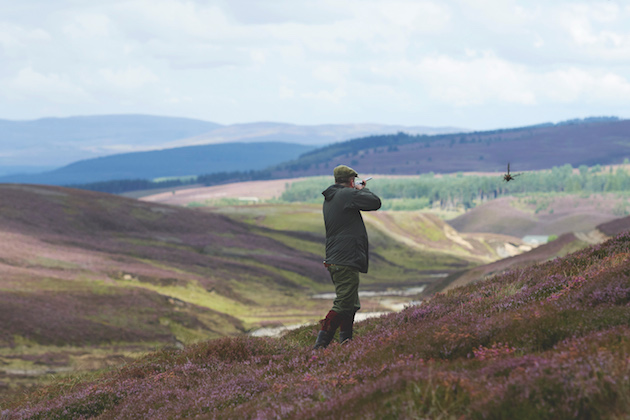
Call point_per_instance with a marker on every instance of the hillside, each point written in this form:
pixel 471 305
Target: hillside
pixel 563 245
pixel 177 162
pixel 87 278
pixel 527 148
pixel 420 231
pixel 541 214
pixel 312 135
pixel 90 279
pixel 548 342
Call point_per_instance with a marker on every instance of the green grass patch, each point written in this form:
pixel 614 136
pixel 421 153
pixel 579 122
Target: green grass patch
pixel 192 293
pixel 183 334
pixel 305 245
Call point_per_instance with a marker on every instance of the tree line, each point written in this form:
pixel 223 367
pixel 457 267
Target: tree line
pixel 447 191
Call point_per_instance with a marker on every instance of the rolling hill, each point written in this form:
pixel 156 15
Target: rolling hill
pixel 39 145
pixel 587 142
pixel 312 135
pixel 177 162
pixel 584 142
pixel 541 214
pixel 566 243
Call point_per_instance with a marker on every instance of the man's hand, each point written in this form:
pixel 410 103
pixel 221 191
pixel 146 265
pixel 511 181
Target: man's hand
pixel 361 184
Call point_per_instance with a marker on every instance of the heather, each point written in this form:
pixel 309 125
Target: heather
pixel 550 341
pixel 104 278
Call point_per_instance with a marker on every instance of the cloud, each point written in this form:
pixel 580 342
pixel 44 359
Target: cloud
pixel 334 96
pixel 415 16
pixel 597 30
pixel 130 78
pixel 88 25
pixel 572 85
pixel 483 79
pixel 244 60
pixel 175 19
pixel 475 80
pixel 29 84
pixel 14 36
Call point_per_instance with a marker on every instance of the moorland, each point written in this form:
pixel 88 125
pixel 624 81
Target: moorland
pixel 147 308
pixel 549 341
pixel 92 280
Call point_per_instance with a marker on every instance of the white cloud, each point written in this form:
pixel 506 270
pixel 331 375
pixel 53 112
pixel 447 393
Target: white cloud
pixel 335 73
pixel 373 60
pixel 333 96
pixel 415 16
pixel 486 79
pixel 285 92
pixel 13 36
pixel 597 30
pixel 175 19
pixel 573 84
pixel 130 78
pixel 88 25
pixel 478 79
pixel 29 84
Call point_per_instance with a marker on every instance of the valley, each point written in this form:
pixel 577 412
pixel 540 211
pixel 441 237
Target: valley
pixel 91 280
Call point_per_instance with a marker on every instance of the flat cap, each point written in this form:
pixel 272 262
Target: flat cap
pixel 344 172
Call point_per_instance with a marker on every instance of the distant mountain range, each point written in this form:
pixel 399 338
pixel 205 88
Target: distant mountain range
pixel 54 142
pixel 600 140
pixel 44 144
pixel 315 135
pixel 592 141
pixel 177 162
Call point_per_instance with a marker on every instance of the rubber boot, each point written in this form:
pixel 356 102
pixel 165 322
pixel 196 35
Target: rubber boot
pixel 329 326
pixel 346 327
pixel 345 336
pixel 323 340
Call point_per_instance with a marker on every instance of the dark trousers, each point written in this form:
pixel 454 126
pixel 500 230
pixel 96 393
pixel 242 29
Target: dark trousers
pixel 346 281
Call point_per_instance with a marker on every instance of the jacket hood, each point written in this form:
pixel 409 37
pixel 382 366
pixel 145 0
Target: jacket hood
pixel 330 192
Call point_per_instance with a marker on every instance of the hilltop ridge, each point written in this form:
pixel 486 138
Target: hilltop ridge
pixel 542 146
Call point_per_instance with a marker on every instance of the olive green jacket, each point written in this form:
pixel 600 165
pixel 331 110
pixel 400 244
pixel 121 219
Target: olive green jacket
pixel 346 237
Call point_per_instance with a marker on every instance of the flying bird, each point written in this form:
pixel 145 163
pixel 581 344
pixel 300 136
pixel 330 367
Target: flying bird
pixel 508 177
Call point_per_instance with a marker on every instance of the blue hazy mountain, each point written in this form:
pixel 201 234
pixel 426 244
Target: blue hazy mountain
pixel 38 145
pixel 53 142
pixel 176 162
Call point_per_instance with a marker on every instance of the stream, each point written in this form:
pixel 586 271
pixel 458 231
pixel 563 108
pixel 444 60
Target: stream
pixel 395 305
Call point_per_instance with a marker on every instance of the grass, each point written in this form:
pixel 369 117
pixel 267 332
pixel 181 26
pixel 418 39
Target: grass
pixel 192 293
pixel 392 262
pixel 550 341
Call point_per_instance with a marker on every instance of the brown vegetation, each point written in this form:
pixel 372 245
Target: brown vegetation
pixel 542 215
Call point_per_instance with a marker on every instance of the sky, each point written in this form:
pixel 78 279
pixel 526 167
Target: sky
pixel 475 64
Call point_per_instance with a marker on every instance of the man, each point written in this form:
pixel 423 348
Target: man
pixel 346 250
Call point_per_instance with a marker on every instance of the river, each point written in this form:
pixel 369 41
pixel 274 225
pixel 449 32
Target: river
pixel 394 305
